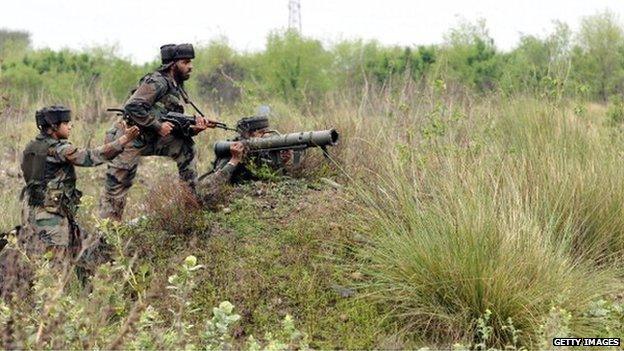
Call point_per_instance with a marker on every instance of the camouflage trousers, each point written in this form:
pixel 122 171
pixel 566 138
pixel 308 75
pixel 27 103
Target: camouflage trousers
pixel 122 169
pixel 43 232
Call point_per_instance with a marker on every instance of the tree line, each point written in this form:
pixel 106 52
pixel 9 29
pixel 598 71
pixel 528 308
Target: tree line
pixel 586 64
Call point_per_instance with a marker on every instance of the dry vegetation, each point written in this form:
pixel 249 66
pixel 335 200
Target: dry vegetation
pixel 457 212
pixel 451 205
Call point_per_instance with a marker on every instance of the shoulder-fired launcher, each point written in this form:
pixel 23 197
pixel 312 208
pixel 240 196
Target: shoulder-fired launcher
pixel 291 141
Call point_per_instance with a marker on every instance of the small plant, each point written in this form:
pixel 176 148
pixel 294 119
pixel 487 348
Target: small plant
pixel 580 110
pixel 289 338
pixel 556 324
pixel 514 333
pixel 217 331
pixel 484 330
pixel 615 112
pixel 263 171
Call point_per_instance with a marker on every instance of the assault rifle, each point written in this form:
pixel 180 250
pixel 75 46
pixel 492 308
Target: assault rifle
pixel 279 142
pixel 181 123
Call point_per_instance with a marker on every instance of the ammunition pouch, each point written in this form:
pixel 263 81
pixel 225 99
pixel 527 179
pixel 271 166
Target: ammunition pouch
pixel 63 201
pixel 34 170
pixel 53 201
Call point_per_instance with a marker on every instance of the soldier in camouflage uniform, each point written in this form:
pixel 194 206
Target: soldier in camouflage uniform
pixel 158 93
pixel 50 198
pixel 256 127
pixel 210 186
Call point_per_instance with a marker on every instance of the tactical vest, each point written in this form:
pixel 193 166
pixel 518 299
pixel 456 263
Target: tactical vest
pixel 62 198
pixel 173 99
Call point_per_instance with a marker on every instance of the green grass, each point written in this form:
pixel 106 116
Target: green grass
pixel 272 263
pixel 528 221
pixel 453 205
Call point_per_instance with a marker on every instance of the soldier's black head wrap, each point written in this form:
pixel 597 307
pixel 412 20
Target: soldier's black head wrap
pixel 52 115
pixel 169 53
pixel 250 124
pixel 184 51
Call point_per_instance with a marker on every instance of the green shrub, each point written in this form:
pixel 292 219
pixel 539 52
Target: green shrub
pixel 515 228
pixel 615 111
pixel 295 68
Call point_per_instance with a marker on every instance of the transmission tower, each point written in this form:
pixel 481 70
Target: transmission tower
pixel 294 15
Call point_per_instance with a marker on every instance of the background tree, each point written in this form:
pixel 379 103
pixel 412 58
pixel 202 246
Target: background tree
pixel 598 54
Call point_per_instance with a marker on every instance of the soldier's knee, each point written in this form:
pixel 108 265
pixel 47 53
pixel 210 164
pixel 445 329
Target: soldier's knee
pixel 185 153
pixel 119 179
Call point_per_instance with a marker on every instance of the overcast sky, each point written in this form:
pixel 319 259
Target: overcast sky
pixel 139 27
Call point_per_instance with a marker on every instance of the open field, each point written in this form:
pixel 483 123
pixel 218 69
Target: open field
pixel 474 200
pixel 455 205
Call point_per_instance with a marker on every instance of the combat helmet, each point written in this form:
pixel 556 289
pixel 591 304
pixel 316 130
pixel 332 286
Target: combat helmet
pixel 52 115
pixel 250 124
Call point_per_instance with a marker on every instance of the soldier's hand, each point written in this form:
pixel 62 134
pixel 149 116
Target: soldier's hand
pixel 165 129
pixel 286 155
pixel 200 124
pixel 237 150
pixel 129 135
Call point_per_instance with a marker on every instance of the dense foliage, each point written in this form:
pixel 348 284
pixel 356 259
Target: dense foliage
pixel 301 70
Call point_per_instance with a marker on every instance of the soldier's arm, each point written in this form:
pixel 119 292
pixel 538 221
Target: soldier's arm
pixel 219 163
pixel 139 106
pixel 210 187
pixel 64 151
pixel 221 176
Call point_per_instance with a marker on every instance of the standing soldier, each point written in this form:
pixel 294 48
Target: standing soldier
pixel 50 198
pixel 158 93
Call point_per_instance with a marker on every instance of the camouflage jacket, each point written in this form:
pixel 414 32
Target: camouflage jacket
pixel 156 95
pixel 59 187
pixel 211 185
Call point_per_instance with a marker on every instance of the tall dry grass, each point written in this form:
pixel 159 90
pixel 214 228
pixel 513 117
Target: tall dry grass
pixel 467 203
pixel 511 205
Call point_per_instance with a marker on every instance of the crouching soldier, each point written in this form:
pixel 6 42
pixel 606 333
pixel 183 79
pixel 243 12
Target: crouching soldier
pixel 277 161
pixel 50 198
pixel 211 185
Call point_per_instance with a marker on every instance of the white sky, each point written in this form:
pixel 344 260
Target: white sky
pixel 139 27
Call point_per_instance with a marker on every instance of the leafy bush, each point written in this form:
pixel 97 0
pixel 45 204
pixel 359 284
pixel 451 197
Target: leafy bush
pixel 615 111
pixel 13 43
pixel 69 77
pixel 469 56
